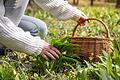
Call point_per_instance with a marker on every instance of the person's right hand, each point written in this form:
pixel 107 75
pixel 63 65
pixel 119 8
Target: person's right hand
pixel 49 52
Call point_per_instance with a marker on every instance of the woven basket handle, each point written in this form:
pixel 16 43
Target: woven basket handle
pixel 105 26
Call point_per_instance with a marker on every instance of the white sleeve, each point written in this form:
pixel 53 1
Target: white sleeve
pixel 15 38
pixel 59 8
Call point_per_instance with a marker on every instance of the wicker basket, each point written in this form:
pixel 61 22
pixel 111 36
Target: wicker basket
pixel 90 48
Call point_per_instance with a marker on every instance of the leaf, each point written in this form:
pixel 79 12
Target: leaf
pixel 103 74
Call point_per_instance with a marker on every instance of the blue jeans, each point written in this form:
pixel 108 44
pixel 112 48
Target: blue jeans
pixel 34 26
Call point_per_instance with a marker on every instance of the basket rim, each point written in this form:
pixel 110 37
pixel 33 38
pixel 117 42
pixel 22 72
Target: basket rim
pixel 90 38
pixel 105 26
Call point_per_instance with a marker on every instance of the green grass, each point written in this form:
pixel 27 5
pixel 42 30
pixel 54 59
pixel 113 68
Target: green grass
pixel 20 66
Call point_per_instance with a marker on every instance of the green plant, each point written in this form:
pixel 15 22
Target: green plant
pixel 20 66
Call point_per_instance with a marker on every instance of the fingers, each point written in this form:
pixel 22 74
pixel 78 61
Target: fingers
pixel 50 52
pixel 50 55
pixel 44 56
pixel 54 49
pixel 82 21
pixel 53 53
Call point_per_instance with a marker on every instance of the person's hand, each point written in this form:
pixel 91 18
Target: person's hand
pixel 49 52
pixel 80 17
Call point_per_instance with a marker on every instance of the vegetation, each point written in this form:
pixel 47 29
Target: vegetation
pixel 19 66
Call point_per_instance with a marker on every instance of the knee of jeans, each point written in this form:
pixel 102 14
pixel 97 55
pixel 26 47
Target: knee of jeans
pixel 35 26
pixel 40 28
pixel 29 26
pixel 43 28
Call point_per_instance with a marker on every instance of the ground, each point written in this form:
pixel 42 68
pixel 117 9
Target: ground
pixel 20 66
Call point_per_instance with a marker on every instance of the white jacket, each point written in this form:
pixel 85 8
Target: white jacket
pixel 15 38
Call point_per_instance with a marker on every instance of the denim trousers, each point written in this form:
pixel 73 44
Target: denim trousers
pixel 14 10
pixel 34 26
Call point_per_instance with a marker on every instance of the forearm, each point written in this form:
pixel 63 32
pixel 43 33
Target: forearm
pixel 15 38
pixel 59 8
